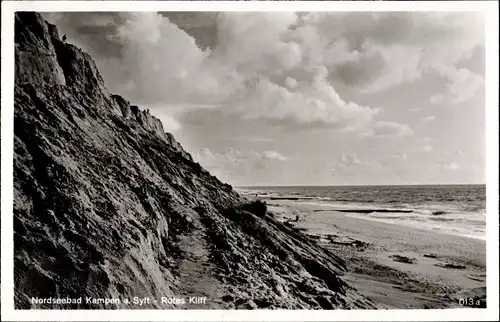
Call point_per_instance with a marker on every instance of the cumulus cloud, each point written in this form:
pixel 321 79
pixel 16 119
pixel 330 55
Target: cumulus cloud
pixel 253 42
pixel 170 124
pixel 163 61
pixel 426 148
pixel 251 139
pixel 384 129
pixel 349 159
pixel 423 144
pixel 457 154
pixel 452 166
pixel 276 67
pixel 429 118
pixel 463 85
pixel 273 155
pixel 393 48
pixel 402 156
pixel 314 101
pixel 150 60
pixel 391 161
pixel 352 161
pixel 232 164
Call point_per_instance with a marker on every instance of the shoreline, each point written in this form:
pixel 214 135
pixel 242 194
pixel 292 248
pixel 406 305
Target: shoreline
pixel 396 266
pixel 358 213
pixel 431 219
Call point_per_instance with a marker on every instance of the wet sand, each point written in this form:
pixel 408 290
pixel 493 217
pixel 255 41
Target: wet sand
pixel 395 266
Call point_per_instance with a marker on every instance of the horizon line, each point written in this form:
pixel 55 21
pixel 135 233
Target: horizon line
pixel 368 185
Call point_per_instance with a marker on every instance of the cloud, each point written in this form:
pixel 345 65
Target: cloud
pixel 401 64
pixel 423 144
pixel 148 59
pixel 426 148
pixel 429 119
pixel 388 49
pixel 232 164
pixel 457 154
pixel 276 67
pixel 463 85
pixel 166 116
pixel 253 42
pixel 347 160
pixel 391 161
pixel 452 166
pixel 273 155
pixel 402 156
pixel 350 161
pixel 162 61
pixel 313 101
pixel 383 129
pixel 251 139
pixel 251 49
pixel 169 123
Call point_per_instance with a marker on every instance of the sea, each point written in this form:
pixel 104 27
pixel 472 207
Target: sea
pixel 450 209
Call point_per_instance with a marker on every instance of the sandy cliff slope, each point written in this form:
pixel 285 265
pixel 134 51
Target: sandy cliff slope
pixel 107 205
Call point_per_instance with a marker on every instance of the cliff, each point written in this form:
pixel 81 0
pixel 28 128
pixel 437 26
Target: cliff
pixel 108 205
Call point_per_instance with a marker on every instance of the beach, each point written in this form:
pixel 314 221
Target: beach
pixel 396 266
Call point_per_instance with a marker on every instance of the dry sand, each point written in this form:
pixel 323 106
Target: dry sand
pixel 395 266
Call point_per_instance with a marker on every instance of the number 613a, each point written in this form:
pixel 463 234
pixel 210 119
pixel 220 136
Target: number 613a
pixel 469 301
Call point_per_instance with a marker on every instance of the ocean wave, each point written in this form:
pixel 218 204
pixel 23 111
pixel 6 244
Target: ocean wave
pixel 442 219
pixel 458 210
pixel 370 211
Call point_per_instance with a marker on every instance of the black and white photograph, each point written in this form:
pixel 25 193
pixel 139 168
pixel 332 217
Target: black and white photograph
pixel 249 160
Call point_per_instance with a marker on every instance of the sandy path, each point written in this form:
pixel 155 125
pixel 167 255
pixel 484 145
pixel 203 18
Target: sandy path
pixel 196 278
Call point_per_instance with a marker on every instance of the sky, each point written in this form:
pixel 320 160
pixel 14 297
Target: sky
pixel 307 98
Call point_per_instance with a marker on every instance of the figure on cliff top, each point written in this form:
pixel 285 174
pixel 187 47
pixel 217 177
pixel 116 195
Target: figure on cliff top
pixel 64 38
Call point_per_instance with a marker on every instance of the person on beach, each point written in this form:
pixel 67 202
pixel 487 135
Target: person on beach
pixel 296 218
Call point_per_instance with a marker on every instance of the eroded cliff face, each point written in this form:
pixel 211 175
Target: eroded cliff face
pixel 108 205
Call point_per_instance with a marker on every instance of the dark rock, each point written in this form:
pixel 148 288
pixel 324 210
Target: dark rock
pixel 324 303
pixel 403 259
pixel 440 212
pixel 257 208
pixel 53 32
pixel 262 303
pixel 430 255
pixel 123 104
pixel 227 298
pixel 452 266
pixel 239 301
pixel 135 109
